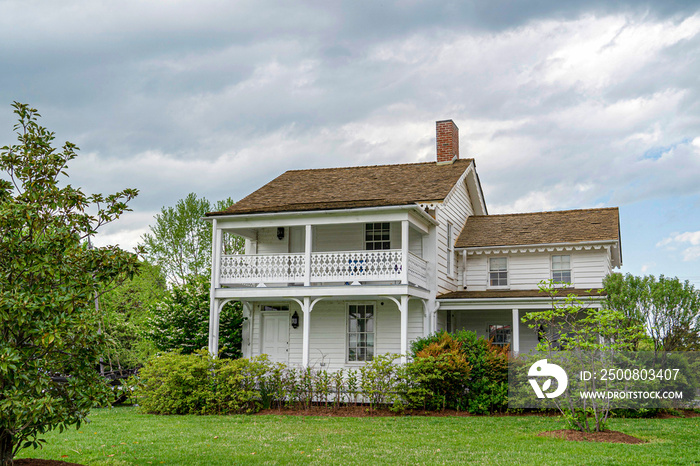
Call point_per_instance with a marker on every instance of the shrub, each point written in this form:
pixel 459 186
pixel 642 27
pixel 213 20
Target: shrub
pixel 377 379
pixel 173 383
pixel 438 377
pixel 237 386
pixel 487 383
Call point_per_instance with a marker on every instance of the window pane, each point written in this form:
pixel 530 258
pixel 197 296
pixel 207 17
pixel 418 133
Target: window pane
pixel 498 264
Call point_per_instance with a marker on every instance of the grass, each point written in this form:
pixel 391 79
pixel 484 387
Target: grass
pixel 121 436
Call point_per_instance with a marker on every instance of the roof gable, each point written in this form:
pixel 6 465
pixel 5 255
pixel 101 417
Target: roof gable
pixel 565 226
pixel 346 188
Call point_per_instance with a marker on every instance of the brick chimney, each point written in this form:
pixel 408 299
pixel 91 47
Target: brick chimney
pixel 447 141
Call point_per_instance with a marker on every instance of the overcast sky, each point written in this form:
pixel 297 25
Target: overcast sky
pixel 562 104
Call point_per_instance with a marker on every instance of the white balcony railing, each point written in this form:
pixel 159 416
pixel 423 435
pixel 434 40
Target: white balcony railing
pixel 356 266
pixel 325 267
pixel 417 270
pixel 263 268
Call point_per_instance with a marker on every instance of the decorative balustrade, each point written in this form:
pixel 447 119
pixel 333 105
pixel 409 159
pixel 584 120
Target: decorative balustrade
pixel 263 268
pixel 326 267
pixel 417 270
pixel 356 266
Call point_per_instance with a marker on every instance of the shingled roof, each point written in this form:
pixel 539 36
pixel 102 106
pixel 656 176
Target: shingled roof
pixel 565 226
pixel 351 187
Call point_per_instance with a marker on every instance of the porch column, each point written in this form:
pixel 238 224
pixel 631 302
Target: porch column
pixel 404 328
pixel 306 310
pixel 213 314
pixel 214 329
pixel 404 252
pixel 515 343
pixel 307 259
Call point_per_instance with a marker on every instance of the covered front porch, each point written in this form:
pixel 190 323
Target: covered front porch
pixel 329 330
pixel 497 314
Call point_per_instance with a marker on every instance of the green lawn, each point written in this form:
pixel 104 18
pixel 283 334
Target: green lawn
pixel 122 436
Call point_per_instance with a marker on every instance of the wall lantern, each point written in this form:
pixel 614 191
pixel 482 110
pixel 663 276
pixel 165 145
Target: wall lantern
pixel 295 320
pixel 280 233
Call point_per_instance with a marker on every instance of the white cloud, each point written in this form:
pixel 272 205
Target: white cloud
pixel 688 242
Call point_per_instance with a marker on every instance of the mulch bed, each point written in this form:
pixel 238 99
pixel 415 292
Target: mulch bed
pixel 39 462
pixel 609 436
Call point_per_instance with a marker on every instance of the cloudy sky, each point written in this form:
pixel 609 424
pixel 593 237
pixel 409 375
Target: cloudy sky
pixel 562 104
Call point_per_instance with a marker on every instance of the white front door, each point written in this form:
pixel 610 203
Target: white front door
pixel 276 336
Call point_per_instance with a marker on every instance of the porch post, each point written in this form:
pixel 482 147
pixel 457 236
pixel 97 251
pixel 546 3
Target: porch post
pixel 404 328
pixel 404 252
pixel 213 314
pixel 307 259
pixel 306 310
pixel 515 343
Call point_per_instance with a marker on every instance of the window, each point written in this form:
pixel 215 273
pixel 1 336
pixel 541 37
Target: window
pixel 450 250
pixel 360 332
pixel 498 271
pixel 377 236
pixel 561 269
pixel 500 334
pixel 274 307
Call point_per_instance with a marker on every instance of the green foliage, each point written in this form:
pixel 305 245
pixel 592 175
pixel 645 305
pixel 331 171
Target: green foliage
pixel 587 334
pixel 487 384
pixel 181 320
pixel 126 311
pixel 173 383
pixel 377 378
pixel 49 280
pixel 438 377
pixel 181 243
pixel 668 309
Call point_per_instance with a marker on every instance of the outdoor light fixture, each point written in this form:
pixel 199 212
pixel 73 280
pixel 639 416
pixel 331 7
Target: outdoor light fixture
pixel 280 233
pixel 295 320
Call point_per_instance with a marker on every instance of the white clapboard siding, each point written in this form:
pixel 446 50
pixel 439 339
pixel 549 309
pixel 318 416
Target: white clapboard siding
pixel 415 242
pixel 589 268
pixel 328 338
pixel 455 210
pixel 268 242
pixel 339 237
pixel 526 270
pixel 329 238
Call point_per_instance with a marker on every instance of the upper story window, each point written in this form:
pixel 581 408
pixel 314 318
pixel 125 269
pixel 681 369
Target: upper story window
pixel 360 332
pixel 561 269
pixel 377 236
pixel 498 271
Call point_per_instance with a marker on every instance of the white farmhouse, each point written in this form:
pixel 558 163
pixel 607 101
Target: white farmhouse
pixel 343 264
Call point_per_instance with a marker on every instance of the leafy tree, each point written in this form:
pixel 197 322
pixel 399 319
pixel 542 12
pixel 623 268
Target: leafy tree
pixel 668 308
pixel 581 336
pixel 48 281
pixel 180 242
pixel 125 314
pixel 181 320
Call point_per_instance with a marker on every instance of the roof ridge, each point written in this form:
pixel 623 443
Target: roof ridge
pixel 546 212
pixel 471 159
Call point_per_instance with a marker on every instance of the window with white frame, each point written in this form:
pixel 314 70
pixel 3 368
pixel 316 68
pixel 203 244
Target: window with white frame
pixel 360 332
pixel 561 269
pixel 500 335
pixel 498 271
pixel 377 236
pixel 450 250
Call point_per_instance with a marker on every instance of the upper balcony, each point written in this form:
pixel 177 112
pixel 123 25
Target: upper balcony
pixel 377 248
pixel 324 268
